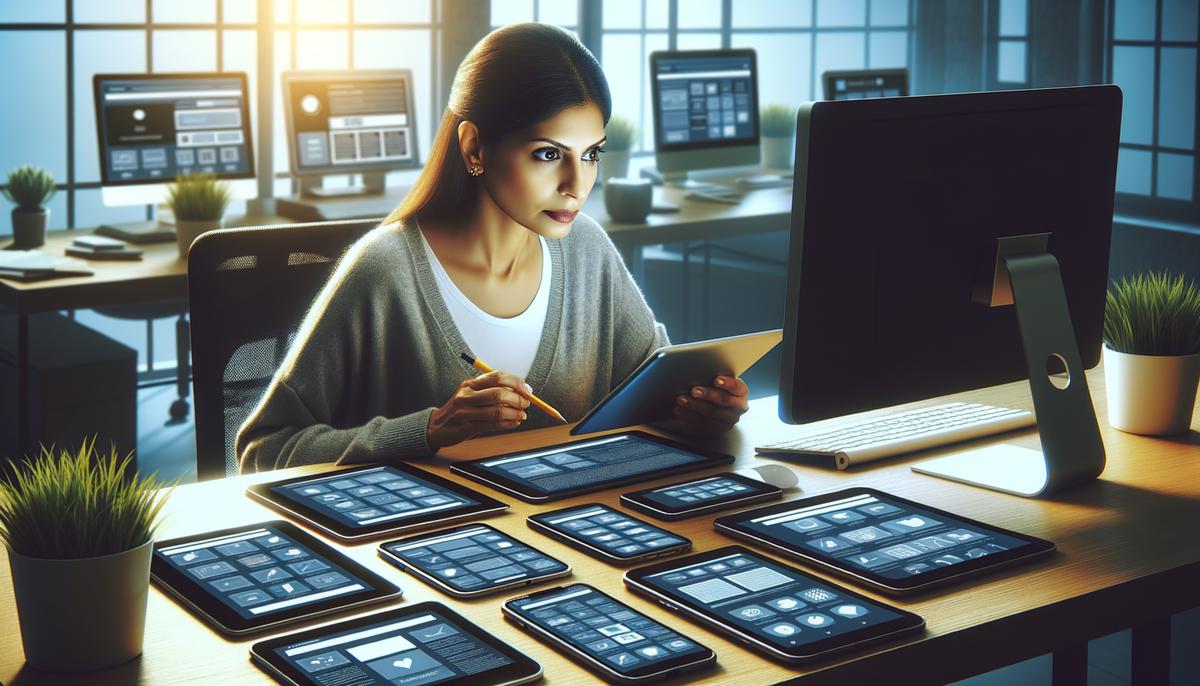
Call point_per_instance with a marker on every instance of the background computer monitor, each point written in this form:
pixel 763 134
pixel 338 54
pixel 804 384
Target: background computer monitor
pixel 155 127
pixel 897 208
pixel 344 122
pixel 865 83
pixel 705 110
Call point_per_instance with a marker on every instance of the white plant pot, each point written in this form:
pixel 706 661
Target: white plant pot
pixel 80 615
pixel 614 163
pixel 777 151
pixel 187 231
pixel 1152 395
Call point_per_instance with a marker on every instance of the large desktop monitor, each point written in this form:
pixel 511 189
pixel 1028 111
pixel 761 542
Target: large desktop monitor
pixel 349 122
pixel 865 83
pixel 705 110
pixel 155 127
pixel 918 222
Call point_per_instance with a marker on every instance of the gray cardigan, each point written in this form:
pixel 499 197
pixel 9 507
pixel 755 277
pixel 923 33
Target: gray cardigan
pixel 378 351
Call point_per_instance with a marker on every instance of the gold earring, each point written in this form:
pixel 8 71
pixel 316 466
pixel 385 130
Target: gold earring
pixel 475 170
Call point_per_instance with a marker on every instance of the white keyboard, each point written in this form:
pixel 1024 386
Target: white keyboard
pixel 903 432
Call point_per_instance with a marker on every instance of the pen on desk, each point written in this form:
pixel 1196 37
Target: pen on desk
pixel 533 399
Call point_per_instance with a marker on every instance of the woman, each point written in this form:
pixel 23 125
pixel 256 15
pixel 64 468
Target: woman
pixel 487 255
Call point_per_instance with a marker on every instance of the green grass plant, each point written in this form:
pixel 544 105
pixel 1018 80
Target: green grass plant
pixel 1153 313
pixel 30 188
pixel 778 121
pixel 621 134
pixel 199 197
pixel 78 504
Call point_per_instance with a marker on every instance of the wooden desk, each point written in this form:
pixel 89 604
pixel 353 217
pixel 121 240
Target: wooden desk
pixel 160 275
pixel 1127 555
pixel 761 211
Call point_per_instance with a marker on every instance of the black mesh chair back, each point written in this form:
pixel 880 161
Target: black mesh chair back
pixel 248 291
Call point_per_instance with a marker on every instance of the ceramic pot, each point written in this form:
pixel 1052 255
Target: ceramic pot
pixel 187 231
pixel 614 163
pixel 628 200
pixel 1152 395
pixel 777 152
pixel 29 227
pixel 84 614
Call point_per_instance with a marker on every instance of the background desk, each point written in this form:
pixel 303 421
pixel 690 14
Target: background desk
pixel 1127 555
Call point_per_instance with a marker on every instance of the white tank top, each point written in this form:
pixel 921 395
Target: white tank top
pixel 505 343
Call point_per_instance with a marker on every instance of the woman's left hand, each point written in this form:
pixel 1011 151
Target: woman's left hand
pixel 713 409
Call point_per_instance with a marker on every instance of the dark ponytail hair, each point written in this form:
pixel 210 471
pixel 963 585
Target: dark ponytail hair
pixel 515 77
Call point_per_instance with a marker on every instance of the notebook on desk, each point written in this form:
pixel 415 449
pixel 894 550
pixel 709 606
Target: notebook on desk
pixel 34 265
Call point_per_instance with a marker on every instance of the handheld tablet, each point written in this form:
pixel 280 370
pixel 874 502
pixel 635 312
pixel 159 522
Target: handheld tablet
pixel 583 466
pixel 471 560
pixel 648 393
pixel 606 635
pixel 256 577
pixel 426 644
pixel 776 610
pixel 890 544
pixel 352 504
pixel 700 496
pixel 608 534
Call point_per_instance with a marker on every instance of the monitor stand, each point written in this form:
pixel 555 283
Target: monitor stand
pixel 1026 276
pixel 373 183
pixel 371 200
pixel 678 180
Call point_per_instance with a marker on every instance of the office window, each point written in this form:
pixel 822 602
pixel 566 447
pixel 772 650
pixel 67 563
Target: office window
pixel 1152 56
pixel 564 13
pixel 796 40
pixel 1008 43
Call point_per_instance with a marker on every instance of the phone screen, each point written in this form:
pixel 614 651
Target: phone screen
pixel 608 631
pixel 616 533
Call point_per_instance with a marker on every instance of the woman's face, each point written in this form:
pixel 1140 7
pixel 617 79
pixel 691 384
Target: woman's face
pixel 541 177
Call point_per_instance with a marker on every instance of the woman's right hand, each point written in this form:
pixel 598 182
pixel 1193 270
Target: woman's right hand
pixel 486 403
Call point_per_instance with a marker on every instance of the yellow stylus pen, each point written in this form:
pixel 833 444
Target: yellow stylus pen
pixel 533 399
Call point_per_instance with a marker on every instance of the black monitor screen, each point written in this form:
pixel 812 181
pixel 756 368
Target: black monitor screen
pixel 153 128
pixel 705 98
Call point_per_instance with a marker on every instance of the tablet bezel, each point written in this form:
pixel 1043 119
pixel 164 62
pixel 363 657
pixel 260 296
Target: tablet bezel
pixel 475 470
pixel 312 517
pixel 196 596
pixel 907 621
pixel 729 525
pixel 522 670
pixel 539 522
pixel 636 500
pixel 393 558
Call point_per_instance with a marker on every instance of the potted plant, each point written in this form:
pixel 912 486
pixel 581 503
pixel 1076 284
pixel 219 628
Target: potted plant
pixel 199 202
pixel 620 134
pixel 29 188
pixel 79 536
pixel 1152 353
pixel 778 131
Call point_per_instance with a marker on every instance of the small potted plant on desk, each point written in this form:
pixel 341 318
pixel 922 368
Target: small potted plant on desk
pixel 29 188
pixel 199 202
pixel 79 536
pixel 778 136
pixel 1152 353
pixel 618 147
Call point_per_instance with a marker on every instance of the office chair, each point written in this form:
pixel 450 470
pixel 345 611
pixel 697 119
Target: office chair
pixel 248 290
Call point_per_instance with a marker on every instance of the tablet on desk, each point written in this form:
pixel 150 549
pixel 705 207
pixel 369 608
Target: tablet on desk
pixel 890 544
pixel 587 465
pixel 256 577
pixel 648 393
pixel 427 644
pixel 352 504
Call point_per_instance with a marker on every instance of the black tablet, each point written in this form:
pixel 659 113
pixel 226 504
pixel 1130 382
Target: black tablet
pixel 891 544
pixel 587 465
pixel 700 496
pixel 773 608
pixel 608 534
pixel 352 504
pixel 426 644
pixel 259 576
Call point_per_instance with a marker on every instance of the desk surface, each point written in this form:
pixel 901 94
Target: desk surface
pixel 1126 554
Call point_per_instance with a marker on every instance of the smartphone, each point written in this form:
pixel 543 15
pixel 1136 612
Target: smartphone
pixel 605 635
pixel 700 496
pixel 471 560
pixel 774 609
pixel 607 534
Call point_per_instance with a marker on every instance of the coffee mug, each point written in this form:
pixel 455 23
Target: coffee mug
pixel 628 200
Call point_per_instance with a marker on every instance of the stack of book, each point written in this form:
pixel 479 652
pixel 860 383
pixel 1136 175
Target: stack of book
pixel 32 265
pixel 101 248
